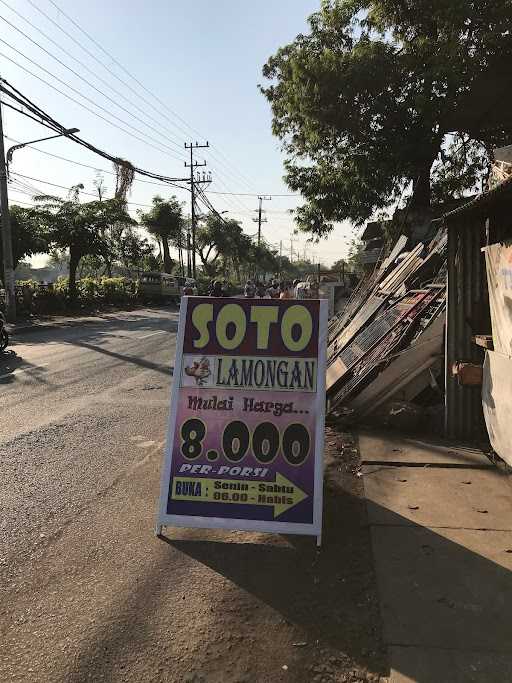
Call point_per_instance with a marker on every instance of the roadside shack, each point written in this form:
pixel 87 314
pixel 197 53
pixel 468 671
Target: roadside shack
pixel 479 319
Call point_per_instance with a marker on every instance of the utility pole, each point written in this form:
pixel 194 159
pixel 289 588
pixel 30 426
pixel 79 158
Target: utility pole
pixel 260 219
pixel 189 262
pixel 291 248
pixel 280 257
pixel 193 165
pixel 10 292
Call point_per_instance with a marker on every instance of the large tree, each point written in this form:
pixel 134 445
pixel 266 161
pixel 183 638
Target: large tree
pixel 217 240
pixel 78 227
pixel 385 98
pixel 165 221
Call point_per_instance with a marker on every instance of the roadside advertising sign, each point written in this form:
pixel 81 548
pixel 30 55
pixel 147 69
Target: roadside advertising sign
pixel 246 427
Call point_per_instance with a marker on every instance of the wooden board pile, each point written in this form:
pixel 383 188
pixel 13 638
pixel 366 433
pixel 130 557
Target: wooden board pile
pixel 387 343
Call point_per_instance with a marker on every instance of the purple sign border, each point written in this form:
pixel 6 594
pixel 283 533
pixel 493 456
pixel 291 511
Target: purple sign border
pixel 246 524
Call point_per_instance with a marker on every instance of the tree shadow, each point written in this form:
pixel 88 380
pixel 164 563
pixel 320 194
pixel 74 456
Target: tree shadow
pixel 10 361
pixel 437 590
pixel 127 358
pixel 324 595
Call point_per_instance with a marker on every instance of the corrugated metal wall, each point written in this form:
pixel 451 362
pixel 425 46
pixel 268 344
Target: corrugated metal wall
pixel 467 315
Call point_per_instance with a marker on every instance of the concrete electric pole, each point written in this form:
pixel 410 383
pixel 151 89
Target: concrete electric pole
pixel 193 165
pixel 260 219
pixel 10 292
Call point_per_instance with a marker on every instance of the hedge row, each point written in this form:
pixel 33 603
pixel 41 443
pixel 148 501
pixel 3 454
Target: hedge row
pixel 42 298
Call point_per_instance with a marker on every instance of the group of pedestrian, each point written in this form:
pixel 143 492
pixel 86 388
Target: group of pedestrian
pixel 270 290
pixel 258 289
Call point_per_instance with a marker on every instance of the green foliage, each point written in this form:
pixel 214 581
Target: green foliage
pixel 61 285
pixel 339 265
pixel 28 235
pixel 95 292
pixel 151 262
pixel 80 228
pixel 354 259
pixel 223 248
pixel 378 97
pixel 165 221
pixel 31 284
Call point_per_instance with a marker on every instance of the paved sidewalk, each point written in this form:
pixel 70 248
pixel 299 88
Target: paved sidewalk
pixel 441 529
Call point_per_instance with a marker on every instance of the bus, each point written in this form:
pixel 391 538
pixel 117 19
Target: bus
pixel 156 285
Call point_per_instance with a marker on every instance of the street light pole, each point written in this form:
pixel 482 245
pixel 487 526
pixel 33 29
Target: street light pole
pixel 10 293
pixel 11 150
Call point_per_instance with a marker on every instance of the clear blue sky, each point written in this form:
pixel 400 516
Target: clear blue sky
pixel 202 59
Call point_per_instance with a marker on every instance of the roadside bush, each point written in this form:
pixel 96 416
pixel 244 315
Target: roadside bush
pixel 114 289
pixel 91 292
pixel 31 284
pixel 61 286
pixel 88 288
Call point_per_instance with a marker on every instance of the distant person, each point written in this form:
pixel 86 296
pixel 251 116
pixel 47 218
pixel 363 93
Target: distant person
pixel 284 291
pixel 260 290
pixel 272 292
pixel 217 289
pixel 249 290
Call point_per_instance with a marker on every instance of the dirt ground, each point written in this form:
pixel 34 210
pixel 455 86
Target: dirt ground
pixel 102 599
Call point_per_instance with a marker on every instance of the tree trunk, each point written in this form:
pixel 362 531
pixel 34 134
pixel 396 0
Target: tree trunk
pixel 167 256
pixel 74 260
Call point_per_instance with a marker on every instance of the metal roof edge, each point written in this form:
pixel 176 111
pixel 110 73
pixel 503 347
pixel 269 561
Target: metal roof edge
pixel 481 200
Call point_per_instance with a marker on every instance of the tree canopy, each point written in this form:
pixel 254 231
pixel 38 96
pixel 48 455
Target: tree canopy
pixel 219 240
pixel 386 97
pixel 78 227
pixel 165 221
pixel 29 237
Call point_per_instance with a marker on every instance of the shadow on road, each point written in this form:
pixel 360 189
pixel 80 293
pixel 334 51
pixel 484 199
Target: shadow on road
pixel 137 360
pixel 9 362
pixel 329 593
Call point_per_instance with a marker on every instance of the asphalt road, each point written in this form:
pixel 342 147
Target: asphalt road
pixel 89 594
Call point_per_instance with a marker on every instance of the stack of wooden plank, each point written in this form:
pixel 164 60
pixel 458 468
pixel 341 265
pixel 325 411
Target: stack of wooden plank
pixel 388 342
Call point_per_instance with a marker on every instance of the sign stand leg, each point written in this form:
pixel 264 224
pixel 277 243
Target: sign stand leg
pixel 319 540
pixel 158 530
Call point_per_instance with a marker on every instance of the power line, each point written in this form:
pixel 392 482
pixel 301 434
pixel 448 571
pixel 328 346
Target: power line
pixel 93 168
pixel 230 176
pixel 130 75
pixel 83 105
pixel 52 124
pixel 98 61
pixel 233 199
pixel 242 194
pixel 88 99
pixel 110 56
pixel 63 187
pixel 227 164
pixel 82 95
pixel 82 64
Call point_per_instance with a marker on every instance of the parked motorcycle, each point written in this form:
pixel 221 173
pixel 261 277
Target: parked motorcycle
pixel 4 337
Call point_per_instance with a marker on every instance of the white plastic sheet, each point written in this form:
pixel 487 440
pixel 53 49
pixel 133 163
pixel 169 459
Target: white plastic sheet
pixel 497 403
pixel 498 258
